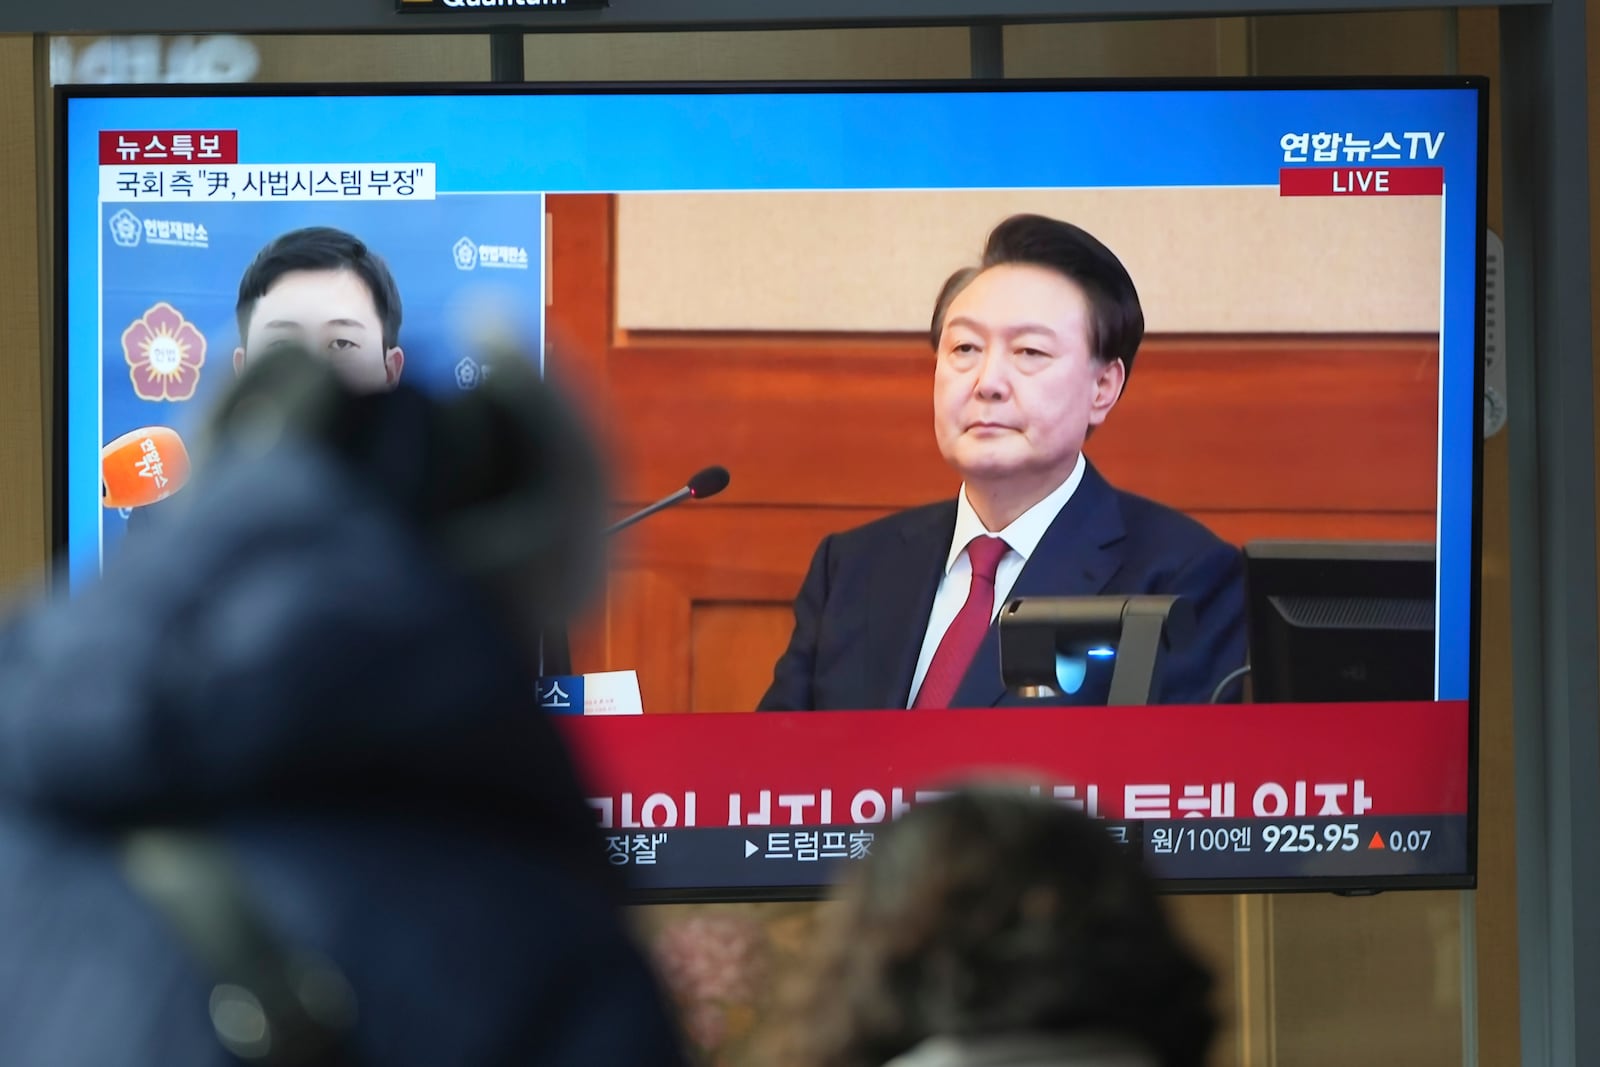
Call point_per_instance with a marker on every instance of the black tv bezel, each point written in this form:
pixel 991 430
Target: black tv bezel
pixel 1479 85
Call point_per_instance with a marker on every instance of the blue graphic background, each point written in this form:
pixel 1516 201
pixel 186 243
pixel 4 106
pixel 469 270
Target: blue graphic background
pixel 415 238
pixel 872 139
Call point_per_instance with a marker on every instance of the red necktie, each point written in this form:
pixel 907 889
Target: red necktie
pixel 961 640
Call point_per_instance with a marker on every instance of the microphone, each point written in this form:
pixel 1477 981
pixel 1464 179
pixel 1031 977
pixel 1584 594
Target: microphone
pixel 708 482
pixel 142 467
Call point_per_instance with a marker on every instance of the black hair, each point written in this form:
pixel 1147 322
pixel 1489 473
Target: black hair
pixel 1075 254
pixel 320 248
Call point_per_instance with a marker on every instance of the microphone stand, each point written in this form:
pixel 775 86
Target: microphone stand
pixel 665 502
pixel 564 653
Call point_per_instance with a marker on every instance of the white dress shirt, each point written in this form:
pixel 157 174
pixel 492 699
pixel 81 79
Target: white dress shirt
pixel 1023 535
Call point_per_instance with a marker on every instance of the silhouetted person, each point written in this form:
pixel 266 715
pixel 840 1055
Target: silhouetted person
pixel 277 783
pixel 992 928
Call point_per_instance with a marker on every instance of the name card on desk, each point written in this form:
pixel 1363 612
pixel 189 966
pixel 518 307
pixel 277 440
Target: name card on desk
pixel 601 693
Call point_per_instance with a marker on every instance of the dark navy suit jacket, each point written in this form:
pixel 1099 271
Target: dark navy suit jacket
pixel 862 613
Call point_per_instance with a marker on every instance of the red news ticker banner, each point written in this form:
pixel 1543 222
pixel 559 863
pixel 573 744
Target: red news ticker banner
pixel 819 768
pixel 1361 181
pixel 168 147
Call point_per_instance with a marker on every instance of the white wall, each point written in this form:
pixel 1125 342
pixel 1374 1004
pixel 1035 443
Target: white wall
pixel 1204 261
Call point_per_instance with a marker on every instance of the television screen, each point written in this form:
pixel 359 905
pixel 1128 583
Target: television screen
pixel 978 356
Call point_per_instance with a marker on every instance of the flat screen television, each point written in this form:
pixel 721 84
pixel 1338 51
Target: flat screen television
pixel 745 275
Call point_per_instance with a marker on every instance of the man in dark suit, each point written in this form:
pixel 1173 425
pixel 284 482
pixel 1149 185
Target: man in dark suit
pixel 1033 349
pixel 324 290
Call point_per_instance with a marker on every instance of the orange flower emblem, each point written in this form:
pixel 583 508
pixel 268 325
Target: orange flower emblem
pixel 165 353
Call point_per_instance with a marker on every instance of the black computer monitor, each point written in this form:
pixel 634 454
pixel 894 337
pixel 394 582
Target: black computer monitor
pixel 1334 621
